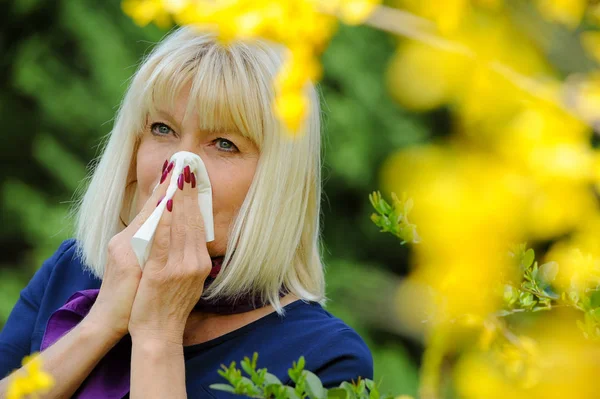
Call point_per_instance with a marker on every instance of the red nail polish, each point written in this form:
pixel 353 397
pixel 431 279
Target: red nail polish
pixel 160 200
pixel 165 165
pixel 193 180
pixel 164 176
pixel 170 205
pixel 170 167
pixel 180 181
pixel 186 174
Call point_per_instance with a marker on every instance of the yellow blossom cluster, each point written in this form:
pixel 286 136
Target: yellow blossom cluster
pixel 517 164
pixel 506 170
pixel 450 14
pixel 304 27
pixel 30 381
pixel 552 360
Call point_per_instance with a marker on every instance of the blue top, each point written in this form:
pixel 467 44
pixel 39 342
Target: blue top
pixel 332 350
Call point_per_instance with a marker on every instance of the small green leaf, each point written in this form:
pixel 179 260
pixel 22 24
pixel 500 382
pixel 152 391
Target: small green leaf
pixel 349 388
pixel 527 259
pixel 271 379
pixel 314 387
pixel 291 393
pixel 247 366
pixel 337 393
pixel 222 387
pixel 301 363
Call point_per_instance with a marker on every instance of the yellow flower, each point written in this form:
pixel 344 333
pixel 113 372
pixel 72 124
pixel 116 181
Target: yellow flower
pixel 145 11
pixel 488 335
pixel 567 12
pixel 591 43
pixel 303 26
pixel 30 380
pixel 291 108
pixel 354 12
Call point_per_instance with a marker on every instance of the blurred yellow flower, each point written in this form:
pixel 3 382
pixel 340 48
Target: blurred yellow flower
pixel 577 271
pixel 567 12
pixel 422 78
pixel 30 380
pixel 590 41
pixel 467 214
pixel 552 361
pixel 354 12
pixel 291 108
pixel 303 26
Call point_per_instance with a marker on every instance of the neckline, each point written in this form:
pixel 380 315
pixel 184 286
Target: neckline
pixel 195 348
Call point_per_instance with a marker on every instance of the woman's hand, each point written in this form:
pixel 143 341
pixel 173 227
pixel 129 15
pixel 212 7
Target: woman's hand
pixel 122 273
pixel 173 277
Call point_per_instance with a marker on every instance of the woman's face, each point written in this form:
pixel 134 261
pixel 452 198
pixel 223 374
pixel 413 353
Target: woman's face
pixel 229 157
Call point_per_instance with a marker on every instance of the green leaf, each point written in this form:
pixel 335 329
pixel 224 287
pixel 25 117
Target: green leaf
pixel 527 259
pixel 247 366
pixel 595 313
pixel 291 392
pixel 314 387
pixel 271 379
pixel 349 389
pixel 337 393
pixel 548 272
pixel 301 363
pixel 222 387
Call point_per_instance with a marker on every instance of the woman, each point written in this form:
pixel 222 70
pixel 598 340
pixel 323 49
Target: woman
pixel 164 332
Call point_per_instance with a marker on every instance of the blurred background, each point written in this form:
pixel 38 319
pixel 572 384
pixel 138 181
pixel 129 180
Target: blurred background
pixel 493 140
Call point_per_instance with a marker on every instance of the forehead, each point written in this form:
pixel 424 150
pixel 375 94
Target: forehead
pixel 215 91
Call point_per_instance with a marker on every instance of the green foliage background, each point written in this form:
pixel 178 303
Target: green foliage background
pixel 64 68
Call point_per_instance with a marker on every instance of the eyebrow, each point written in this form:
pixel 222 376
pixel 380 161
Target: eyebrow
pixel 167 116
pixel 212 131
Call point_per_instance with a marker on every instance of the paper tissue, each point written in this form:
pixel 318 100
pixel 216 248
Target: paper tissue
pixel 142 240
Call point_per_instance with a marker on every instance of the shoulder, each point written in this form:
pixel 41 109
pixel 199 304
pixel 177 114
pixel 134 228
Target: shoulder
pixel 63 255
pixel 339 353
pixel 65 252
pixel 63 275
pixel 332 349
pixel 65 270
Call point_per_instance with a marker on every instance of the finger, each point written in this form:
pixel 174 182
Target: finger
pixel 152 202
pixel 178 226
pixel 196 241
pixel 159 252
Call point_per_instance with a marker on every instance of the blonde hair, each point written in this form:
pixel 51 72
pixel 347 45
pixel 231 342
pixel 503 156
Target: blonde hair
pixel 273 243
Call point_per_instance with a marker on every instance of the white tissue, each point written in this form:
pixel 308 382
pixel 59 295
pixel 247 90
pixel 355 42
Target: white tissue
pixel 142 240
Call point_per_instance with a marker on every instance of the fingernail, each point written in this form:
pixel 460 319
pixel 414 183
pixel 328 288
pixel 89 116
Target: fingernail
pixel 170 205
pixel 193 180
pixel 164 176
pixel 160 200
pixel 170 167
pixel 180 181
pixel 186 174
pixel 165 165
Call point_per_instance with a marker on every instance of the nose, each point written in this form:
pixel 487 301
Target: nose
pixel 191 143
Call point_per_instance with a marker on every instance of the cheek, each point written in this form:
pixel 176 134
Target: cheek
pixel 230 188
pixel 148 170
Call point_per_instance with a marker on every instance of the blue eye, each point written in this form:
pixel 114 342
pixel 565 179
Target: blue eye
pixel 160 129
pixel 225 145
